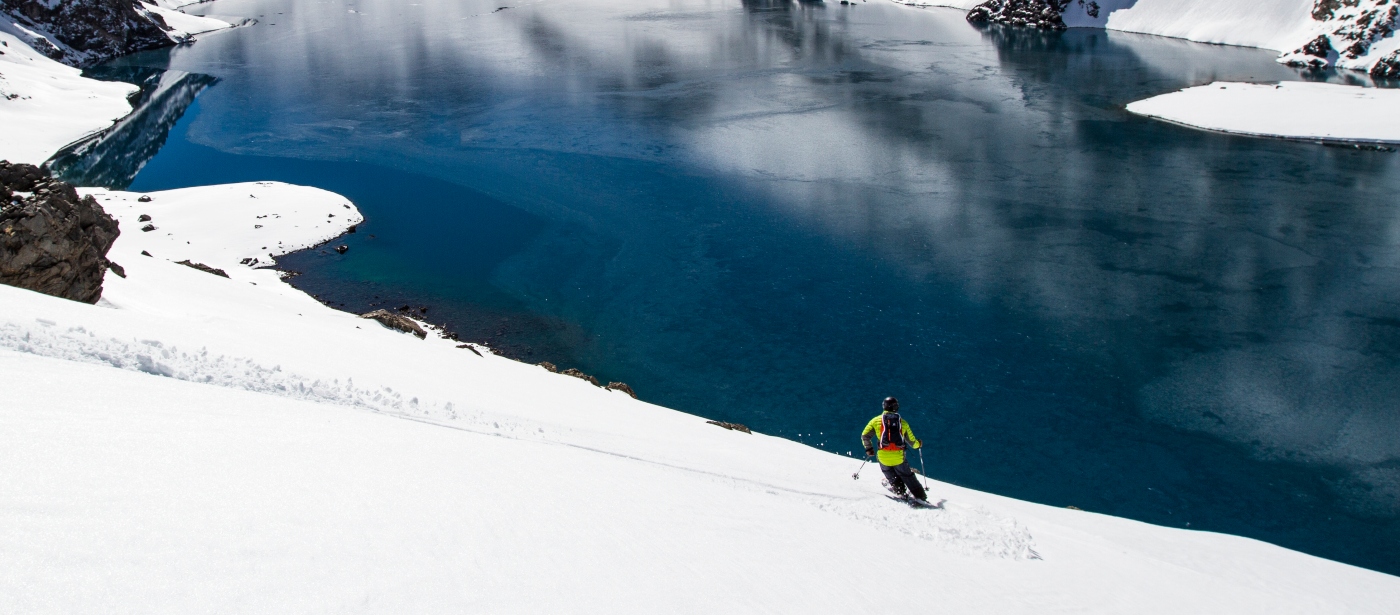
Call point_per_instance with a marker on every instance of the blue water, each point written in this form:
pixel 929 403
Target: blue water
pixel 779 213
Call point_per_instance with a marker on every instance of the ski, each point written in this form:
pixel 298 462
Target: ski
pixel 913 503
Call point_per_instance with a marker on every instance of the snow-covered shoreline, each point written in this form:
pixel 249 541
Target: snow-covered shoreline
pixel 1291 110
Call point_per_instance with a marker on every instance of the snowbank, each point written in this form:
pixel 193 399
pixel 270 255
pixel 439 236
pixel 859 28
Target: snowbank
pixel 1298 110
pixel 206 443
pixel 45 105
pixel 1281 25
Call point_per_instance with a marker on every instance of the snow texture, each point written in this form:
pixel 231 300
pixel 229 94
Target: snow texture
pixel 1300 110
pixel 201 443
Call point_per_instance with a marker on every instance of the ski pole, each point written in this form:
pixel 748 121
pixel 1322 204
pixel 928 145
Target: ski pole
pixel 923 471
pixel 856 476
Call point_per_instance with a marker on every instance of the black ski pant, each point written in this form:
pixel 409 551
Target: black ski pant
pixel 903 475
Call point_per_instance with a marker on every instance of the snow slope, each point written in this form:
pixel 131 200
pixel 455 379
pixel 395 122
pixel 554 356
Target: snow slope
pixel 201 443
pixel 1281 25
pixel 1297 110
pixel 45 105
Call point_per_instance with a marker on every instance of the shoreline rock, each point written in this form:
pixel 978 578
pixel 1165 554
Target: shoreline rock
pixel 52 241
pixel 396 322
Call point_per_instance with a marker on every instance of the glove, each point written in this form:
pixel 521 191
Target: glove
pixel 918 445
pixel 869 452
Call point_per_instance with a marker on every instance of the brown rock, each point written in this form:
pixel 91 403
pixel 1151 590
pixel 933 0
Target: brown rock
pixel 202 267
pixel 622 386
pixel 580 375
pixel 52 242
pixel 731 426
pixel 396 322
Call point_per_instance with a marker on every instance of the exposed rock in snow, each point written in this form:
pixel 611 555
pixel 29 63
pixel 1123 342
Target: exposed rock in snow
pixel 1298 110
pixel 622 386
pixel 203 267
pixel 86 32
pixel 1357 34
pixel 396 322
pixel 52 241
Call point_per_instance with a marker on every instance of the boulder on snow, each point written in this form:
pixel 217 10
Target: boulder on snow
pixel 203 267
pixel 622 386
pixel 396 322
pixel 549 366
pixel 53 241
pixel 731 426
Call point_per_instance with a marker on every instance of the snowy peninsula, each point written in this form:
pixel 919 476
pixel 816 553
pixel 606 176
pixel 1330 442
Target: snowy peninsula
pixel 205 438
pixel 1296 110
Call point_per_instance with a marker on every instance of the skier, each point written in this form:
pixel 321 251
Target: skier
pixel 892 433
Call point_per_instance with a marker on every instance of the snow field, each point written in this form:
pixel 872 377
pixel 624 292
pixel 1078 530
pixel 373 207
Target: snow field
pixel 200 443
pixel 1296 110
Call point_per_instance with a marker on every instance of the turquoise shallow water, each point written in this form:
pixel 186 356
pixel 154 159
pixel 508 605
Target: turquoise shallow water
pixel 779 213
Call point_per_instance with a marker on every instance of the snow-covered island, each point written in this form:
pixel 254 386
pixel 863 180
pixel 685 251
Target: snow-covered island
pixel 1297 110
pixel 205 438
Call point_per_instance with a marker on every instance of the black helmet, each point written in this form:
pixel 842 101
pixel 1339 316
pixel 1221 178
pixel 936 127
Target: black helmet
pixel 891 404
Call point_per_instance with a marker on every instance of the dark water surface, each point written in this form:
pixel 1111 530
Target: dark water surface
pixel 779 213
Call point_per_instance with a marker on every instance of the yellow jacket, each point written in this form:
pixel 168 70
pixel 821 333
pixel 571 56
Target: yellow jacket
pixel 877 427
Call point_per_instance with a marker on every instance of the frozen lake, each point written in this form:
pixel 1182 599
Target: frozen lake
pixel 779 213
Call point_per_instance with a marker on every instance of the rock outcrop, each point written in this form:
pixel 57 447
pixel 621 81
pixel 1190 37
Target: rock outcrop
pixel 581 376
pixel 622 386
pixel 52 241
pixel 203 267
pixel 731 426
pixel 87 32
pixel 396 322
pixel 1043 14
pixel 1352 28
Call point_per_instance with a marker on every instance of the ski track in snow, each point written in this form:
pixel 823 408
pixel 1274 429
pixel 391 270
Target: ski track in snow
pixel 972 531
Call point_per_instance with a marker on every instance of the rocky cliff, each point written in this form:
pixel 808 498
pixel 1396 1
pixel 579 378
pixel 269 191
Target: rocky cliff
pixel 85 32
pixel 1358 34
pixel 52 241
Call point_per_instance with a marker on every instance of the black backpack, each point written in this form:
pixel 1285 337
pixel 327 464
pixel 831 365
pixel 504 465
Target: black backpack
pixel 892 436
